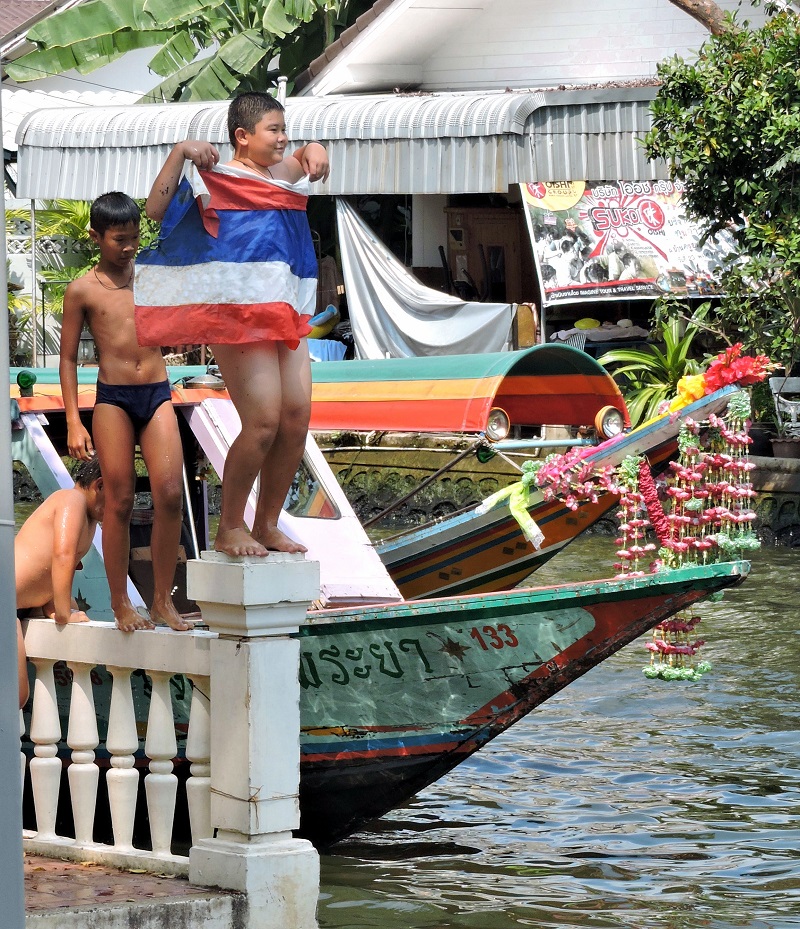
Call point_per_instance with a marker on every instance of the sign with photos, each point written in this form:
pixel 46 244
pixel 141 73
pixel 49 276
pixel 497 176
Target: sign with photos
pixel 619 240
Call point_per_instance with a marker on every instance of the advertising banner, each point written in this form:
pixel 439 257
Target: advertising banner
pixel 618 240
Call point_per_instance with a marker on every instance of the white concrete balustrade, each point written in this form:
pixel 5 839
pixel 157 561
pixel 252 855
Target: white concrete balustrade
pixel 241 748
pixel 86 648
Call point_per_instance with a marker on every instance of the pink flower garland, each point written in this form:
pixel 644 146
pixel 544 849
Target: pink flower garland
pixel 672 651
pixel 574 480
pixel 633 527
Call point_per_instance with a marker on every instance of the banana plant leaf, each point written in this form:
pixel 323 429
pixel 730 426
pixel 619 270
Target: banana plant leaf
pixel 84 57
pixel 221 74
pixel 178 52
pixel 282 17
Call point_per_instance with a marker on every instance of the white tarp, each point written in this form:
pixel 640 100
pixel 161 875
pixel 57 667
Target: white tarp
pixel 393 314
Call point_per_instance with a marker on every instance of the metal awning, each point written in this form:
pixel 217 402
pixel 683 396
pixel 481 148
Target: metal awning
pixel 19 102
pixel 478 142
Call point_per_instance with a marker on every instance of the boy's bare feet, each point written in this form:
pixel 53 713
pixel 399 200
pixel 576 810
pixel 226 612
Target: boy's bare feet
pixel 129 620
pixel 169 616
pixel 238 542
pixel 276 541
pixel 75 616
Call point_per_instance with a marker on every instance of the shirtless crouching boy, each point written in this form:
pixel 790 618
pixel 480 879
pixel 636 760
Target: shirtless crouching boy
pixel 133 403
pixel 48 548
pixel 268 377
pixel 51 543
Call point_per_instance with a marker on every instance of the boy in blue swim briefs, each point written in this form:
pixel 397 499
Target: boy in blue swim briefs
pixel 133 404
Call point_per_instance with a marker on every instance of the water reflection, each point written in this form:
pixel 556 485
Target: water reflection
pixel 621 802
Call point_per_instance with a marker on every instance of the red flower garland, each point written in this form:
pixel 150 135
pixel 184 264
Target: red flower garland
pixel 655 512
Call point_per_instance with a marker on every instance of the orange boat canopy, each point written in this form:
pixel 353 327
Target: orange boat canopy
pixel 543 385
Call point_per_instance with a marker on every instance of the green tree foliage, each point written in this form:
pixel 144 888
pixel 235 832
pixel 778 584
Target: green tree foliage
pixel 66 221
pixel 729 125
pixel 207 49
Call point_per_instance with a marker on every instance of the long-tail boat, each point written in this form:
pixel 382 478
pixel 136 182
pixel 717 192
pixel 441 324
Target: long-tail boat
pixel 395 696
pixel 529 394
pixel 394 693
pixel 477 551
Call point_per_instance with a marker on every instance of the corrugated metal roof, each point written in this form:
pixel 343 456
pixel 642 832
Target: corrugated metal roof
pixel 19 102
pixel 415 143
pixel 593 140
pixel 412 116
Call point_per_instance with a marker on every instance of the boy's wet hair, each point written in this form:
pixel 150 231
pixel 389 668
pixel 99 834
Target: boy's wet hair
pixel 87 473
pixel 248 109
pixel 113 209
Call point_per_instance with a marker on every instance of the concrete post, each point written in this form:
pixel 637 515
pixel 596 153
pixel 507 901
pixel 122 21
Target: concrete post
pixel 254 604
pixel 12 891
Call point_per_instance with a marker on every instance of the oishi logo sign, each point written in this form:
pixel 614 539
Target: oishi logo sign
pixel 644 213
pixel 554 196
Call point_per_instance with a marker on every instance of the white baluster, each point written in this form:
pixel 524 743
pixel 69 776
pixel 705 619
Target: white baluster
pixel 198 750
pixel 161 784
pixel 45 734
pixel 82 738
pixel 122 741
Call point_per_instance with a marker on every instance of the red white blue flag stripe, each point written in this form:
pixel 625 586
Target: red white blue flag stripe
pixel 234 263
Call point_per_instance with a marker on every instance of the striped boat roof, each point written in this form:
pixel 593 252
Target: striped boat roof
pixel 546 384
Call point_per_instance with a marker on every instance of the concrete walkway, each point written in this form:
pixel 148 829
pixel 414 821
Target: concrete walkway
pixel 69 895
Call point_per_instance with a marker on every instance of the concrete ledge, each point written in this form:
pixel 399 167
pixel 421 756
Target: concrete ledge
pixel 211 911
pixel 63 894
pixel 174 865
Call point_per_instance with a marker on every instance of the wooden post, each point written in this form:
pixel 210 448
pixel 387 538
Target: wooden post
pixel 255 604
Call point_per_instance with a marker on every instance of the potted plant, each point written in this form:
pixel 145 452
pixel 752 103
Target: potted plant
pixel 786 441
pixel 648 377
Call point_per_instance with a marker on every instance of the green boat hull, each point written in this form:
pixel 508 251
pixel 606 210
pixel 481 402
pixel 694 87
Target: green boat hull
pixel 394 697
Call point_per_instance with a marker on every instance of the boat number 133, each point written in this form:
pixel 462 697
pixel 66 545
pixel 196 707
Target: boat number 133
pixel 496 637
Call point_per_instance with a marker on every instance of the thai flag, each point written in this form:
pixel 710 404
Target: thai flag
pixel 234 263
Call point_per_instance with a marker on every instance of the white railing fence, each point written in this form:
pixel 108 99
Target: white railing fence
pixel 93 715
pixel 88 683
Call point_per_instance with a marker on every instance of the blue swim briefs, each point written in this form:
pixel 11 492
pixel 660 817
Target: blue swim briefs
pixel 138 401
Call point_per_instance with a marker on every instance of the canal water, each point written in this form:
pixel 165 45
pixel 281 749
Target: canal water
pixel 621 803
